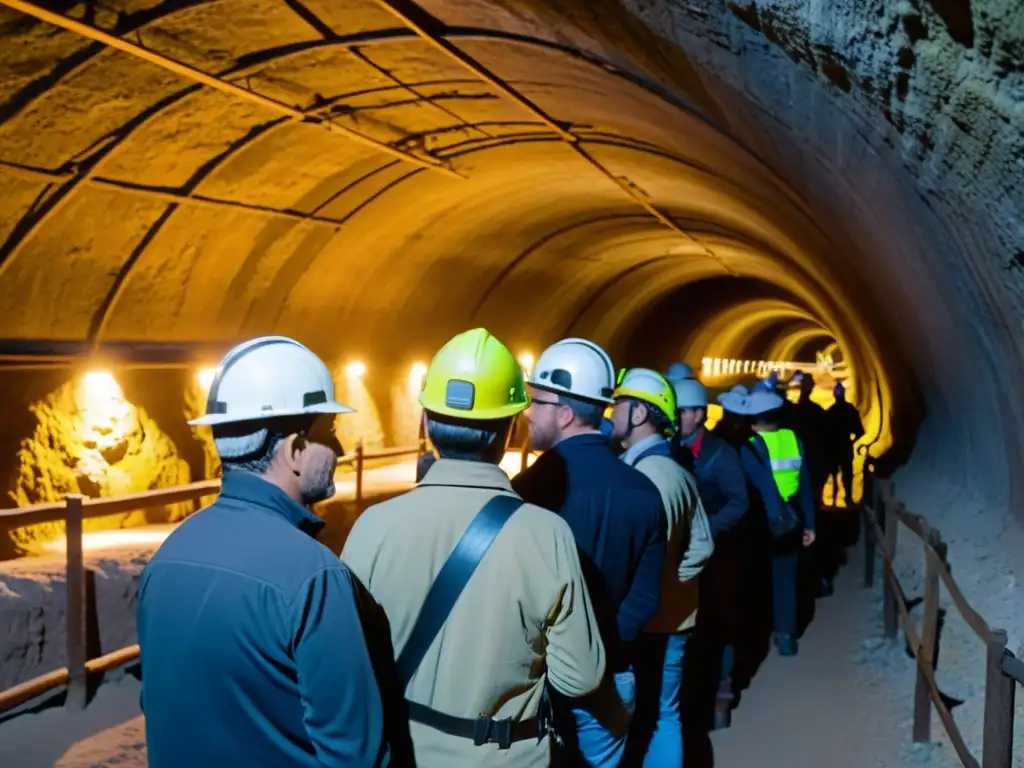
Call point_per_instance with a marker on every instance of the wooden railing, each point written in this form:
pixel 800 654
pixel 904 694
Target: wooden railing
pixel 1003 670
pixel 73 510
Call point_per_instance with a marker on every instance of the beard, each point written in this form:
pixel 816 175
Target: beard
pixel 318 485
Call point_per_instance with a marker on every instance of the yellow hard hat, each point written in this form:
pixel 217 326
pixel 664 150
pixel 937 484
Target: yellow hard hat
pixel 650 387
pixel 474 376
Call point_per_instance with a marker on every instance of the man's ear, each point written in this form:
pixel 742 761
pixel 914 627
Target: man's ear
pixel 640 414
pixel 565 417
pixel 290 451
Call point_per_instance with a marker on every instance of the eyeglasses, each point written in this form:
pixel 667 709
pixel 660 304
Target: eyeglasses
pixel 535 401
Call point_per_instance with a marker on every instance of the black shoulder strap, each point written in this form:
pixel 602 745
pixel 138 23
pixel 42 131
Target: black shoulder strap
pixel 452 579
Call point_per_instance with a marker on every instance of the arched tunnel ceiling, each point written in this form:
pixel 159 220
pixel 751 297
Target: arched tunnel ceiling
pixel 375 180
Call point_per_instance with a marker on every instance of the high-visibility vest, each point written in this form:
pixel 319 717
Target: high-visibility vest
pixel 785 458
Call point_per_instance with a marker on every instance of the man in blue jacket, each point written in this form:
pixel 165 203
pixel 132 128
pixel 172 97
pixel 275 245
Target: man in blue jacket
pixel 616 517
pixel 723 491
pixel 252 647
pixel 773 461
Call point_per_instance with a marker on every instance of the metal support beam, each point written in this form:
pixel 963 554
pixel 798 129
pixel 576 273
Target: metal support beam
pixel 418 20
pixel 406 12
pixel 163 195
pixel 184 70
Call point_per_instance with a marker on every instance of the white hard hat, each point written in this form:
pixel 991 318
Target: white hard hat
pixel 750 403
pixel 678 371
pixel 576 367
pixel 690 393
pixel 266 378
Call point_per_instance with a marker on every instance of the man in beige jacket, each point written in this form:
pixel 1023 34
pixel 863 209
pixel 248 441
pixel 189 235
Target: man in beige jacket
pixel 475 662
pixel 645 407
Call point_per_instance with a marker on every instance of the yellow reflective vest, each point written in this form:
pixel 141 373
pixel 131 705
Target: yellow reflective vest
pixel 785 458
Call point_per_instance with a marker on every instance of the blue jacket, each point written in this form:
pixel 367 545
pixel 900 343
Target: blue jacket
pixel 252 648
pixel 615 514
pixel 720 482
pixel 761 478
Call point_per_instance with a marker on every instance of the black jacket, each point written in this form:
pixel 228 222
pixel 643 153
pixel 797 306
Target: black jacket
pixel 616 515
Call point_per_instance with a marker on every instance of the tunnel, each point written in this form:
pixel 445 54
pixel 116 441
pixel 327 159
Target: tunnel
pixel 752 180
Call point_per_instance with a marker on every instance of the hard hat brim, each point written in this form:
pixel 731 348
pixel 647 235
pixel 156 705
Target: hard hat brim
pixel 556 390
pixel 213 419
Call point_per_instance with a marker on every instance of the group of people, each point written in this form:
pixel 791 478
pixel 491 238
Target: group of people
pixel 474 620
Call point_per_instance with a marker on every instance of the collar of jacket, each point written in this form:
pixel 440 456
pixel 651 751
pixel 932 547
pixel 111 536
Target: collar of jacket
pixel 253 490
pixel 689 440
pixel 467 474
pixel 583 440
pixel 649 445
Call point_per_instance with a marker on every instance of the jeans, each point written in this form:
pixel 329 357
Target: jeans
pixel 658 724
pixel 603 724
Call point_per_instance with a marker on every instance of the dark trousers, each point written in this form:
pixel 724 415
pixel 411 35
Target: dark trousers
pixel 843 467
pixel 785 567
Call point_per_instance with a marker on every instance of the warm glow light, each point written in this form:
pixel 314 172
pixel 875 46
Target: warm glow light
pixel 102 384
pixel 206 376
pixel 527 360
pixel 355 369
pixel 419 370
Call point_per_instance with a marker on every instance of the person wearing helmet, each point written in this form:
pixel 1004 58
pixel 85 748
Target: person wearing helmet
pixel 645 407
pixel 615 514
pixel 484 593
pixel 723 490
pixel 734 428
pixel 773 461
pixel 678 372
pixel 252 647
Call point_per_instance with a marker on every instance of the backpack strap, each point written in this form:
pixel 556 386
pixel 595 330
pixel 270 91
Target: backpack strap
pixel 452 579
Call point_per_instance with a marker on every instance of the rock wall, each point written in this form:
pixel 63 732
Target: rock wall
pixel 89 439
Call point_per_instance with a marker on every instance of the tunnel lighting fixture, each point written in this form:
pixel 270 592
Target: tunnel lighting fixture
pixel 102 384
pixel 206 376
pixel 416 375
pixel 527 360
pixel 356 369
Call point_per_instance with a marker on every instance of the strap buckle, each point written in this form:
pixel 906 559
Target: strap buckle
pixel 487 730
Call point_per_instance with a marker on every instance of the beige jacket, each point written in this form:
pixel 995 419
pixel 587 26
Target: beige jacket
pixel 525 613
pixel 689 543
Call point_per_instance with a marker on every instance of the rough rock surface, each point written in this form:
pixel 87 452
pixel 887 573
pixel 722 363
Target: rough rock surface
pixel 97 444
pixel 33 610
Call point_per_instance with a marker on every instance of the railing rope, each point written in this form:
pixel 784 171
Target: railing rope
pixel 1002 668
pixel 73 510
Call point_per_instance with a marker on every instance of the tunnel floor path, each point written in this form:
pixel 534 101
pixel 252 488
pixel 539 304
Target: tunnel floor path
pixel 817 710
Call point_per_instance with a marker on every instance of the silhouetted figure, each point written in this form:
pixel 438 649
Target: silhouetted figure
pixel 843 427
pixel 807 419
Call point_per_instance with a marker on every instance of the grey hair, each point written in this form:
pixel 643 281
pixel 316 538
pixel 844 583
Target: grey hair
pixel 482 441
pixel 246 451
pixel 586 412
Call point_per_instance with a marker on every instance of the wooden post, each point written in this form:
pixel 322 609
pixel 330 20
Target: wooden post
pixel 76 608
pixel 999 703
pixel 359 476
pixel 867 515
pixel 890 611
pixel 929 632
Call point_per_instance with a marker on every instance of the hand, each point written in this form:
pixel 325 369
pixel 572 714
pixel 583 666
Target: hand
pixel 809 538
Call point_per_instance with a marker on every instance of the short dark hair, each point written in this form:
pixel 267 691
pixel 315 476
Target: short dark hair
pixel 772 418
pixel 466 439
pixel 586 412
